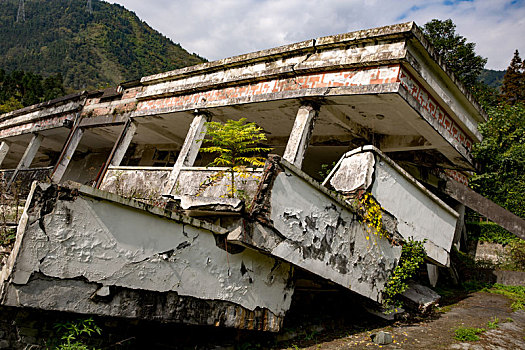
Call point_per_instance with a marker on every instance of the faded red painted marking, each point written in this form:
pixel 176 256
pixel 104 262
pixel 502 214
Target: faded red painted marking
pixel 348 77
pixel 445 122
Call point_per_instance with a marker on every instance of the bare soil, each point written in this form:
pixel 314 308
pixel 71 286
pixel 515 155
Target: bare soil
pixel 435 332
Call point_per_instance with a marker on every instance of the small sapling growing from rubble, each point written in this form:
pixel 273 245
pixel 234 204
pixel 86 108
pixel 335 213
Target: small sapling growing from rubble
pixel 236 144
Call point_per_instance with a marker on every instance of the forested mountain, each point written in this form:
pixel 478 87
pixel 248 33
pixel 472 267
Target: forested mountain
pixel 492 78
pixel 90 49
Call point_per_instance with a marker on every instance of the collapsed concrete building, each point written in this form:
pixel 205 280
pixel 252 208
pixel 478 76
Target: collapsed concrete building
pixel 113 226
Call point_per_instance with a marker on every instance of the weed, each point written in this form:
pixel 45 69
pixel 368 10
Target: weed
pixel 72 335
pixel 467 334
pixel 412 256
pixel 494 324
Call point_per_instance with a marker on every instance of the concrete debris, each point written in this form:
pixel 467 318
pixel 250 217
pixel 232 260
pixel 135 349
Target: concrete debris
pixel 382 338
pixel 420 298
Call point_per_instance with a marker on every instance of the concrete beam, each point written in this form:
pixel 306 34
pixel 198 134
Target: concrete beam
pixel 486 207
pixel 403 143
pixel 355 129
pixel 122 144
pixel 28 156
pixel 4 149
pixel 157 129
pixel 67 154
pixel 300 135
pixel 189 150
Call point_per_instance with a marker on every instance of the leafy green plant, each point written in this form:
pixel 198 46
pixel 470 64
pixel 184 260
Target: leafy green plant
pixel 326 169
pixel 412 256
pixel 467 333
pixel 494 324
pixel 73 334
pixel 236 144
pixel 489 232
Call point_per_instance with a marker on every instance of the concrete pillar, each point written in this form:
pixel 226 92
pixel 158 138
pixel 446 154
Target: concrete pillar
pixel 300 135
pixel 122 144
pixel 4 149
pixel 433 274
pixel 189 149
pixel 460 224
pixel 67 154
pixel 28 156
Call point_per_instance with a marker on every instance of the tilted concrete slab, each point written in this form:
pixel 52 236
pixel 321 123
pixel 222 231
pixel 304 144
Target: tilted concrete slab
pixel 420 214
pixel 296 219
pixel 73 243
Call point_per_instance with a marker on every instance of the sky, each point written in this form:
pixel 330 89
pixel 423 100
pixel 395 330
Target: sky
pixel 218 29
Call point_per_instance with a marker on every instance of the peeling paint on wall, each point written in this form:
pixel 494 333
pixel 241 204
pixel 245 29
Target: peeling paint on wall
pixel 72 237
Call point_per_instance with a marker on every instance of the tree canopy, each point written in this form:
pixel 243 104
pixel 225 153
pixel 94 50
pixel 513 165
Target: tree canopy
pixel 19 89
pixel 458 54
pixel 513 88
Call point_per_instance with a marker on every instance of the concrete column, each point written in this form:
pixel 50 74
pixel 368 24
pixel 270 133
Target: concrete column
pixel 123 143
pixel 300 135
pixel 189 150
pixel 28 156
pixel 4 149
pixel 460 224
pixel 67 154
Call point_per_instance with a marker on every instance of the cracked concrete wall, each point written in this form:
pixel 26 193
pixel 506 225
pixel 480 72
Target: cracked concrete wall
pixel 299 221
pixel 93 246
pixel 327 239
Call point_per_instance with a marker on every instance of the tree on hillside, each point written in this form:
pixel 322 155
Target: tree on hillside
pixel 19 89
pixel 513 88
pixel 501 155
pixel 458 54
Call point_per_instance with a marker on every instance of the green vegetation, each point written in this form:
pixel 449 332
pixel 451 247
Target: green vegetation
pixel 515 293
pixel 467 334
pixel 501 155
pixel 20 89
pixel 458 54
pixel 74 335
pixel 412 256
pixel 236 144
pixel 513 89
pixel 95 50
pixel 494 324
pixel 489 232
pixel 492 78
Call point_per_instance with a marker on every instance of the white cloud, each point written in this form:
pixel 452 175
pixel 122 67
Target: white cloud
pixel 221 28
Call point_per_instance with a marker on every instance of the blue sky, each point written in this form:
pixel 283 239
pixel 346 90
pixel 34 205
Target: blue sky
pixel 217 29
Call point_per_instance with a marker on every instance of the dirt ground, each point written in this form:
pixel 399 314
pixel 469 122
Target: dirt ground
pixel 436 332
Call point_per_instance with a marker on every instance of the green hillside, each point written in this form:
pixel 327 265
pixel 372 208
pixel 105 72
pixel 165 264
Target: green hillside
pixel 492 78
pixel 90 50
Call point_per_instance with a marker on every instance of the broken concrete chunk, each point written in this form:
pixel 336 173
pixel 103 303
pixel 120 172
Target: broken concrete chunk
pixel 382 338
pixel 420 298
pixel 103 292
pixel 354 173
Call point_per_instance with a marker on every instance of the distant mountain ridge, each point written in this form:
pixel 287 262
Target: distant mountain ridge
pixel 492 78
pixel 90 50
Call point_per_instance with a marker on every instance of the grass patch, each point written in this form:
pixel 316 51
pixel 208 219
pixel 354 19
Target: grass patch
pixel 468 334
pixel 515 293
